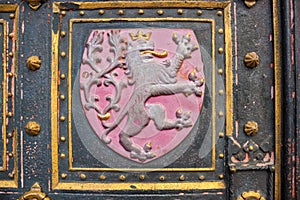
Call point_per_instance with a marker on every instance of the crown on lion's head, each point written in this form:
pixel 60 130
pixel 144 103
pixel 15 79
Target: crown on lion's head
pixel 140 41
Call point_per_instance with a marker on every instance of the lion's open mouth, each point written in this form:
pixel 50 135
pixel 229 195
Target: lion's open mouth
pixel 155 53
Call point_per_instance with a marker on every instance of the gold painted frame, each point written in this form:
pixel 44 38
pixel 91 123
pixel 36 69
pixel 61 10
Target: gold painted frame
pixel 13 183
pixel 56 183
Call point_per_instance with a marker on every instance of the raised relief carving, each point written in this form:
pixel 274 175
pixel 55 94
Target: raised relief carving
pixel 35 193
pixel 250 3
pixel 143 100
pixel 251 195
pixel 251 60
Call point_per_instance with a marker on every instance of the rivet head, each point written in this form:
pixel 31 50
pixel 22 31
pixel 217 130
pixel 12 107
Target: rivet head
pixel 141 12
pixel 62 97
pixel 161 178
pixel 63 34
pixel 201 177
pixel 220 50
pixel 221 134
pixel 10 135
pixel 221 31
pixel 221 114
pixel 101 12
pixel 9 94
pixel 11 35
pixel 10 155
pixel 233 169
pixel 199 12
pixel 122 177
pixel 9 114
pixel 62 118
pixel 251 128
pixel 63 54
pixel 180 11
pixel 10 54
pixel 63 13
pixel 251 60
pixel 82 176
pixel 221 155
pixel 10 74
pixel 62 76
pixel 160 12
pixel 121 12
pixel 34 63
pixel 220 71
pixel 33 128
pixel 142 177
pixel 64 175
pixel 219 13
pixel 63 156
pixel 81 13
pixel 182 178
pixel 11 16
pixel 221 92
pixel 102 177
pixel 221 176
pixel 251 148
pixel 63 139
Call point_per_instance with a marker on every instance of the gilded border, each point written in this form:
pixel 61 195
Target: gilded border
pixel 4 87
pixel 277 74
pixel 14 9
pixel 54 102
pixel 212 168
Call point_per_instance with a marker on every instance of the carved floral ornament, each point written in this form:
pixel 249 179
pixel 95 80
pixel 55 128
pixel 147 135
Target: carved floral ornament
pixel 250 3
pixel 251 195
pixel 35 193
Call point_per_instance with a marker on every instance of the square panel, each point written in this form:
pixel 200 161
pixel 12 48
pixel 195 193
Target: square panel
pixel 81 158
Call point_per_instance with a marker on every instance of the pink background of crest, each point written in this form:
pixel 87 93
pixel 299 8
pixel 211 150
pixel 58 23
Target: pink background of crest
pixel 162 141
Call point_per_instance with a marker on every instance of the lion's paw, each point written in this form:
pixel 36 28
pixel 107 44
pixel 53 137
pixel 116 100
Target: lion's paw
pixel 183 120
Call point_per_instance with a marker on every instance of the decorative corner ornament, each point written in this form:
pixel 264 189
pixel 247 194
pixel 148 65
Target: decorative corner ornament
pixel 251 195
pixel 251 59
pixel 35 193
pixel 34 63
pixel 251 128
pixel 33 128
pixel 250 3
pixel 35 4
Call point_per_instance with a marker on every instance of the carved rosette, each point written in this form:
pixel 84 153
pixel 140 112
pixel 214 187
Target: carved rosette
pixel 34 63
pixel 33 128
pixel 251 59
pixel 251 128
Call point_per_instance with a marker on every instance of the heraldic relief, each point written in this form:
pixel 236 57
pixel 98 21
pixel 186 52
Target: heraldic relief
pixel 142 89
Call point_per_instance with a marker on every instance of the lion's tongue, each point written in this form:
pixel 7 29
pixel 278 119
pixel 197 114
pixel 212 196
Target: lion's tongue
pixel 156 53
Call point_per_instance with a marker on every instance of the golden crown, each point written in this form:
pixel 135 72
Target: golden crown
pixel 140 35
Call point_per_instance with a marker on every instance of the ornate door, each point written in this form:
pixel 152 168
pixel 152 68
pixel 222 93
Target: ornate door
pixel 141 100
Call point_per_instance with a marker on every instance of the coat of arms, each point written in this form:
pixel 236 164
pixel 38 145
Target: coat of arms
pixel 142 89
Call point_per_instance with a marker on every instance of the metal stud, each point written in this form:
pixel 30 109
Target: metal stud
pixel 62 118
pixel 120 12
pixel 221 114
pixel 11 35
pixel 180 11
pixel 220 71
pixel 63 13
pixel 221 92
pixel 160 12
pixel 220 50
pixel 199 13
pixel 33 128
pixel 219 13
pixel 63 34
pixel 81 13
pixel 64 175
pixel 221 134
pixel 141 12
pixel 122 177
pixel 62 76
pixel 221 176
pixel 63 156
pixel 221 31
pixel 101 12
pixel 62 138
pixel 182 178
pixel 221 155
pixel 10 155
pixel 82 176
pixel 10 54
pixel 233 169
pixel 201 177
pixel 161 178
pixel 11 16
pixel 10 74
pixel 63 54
pixel 102 177
pixel 9 114
pixel 62 97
